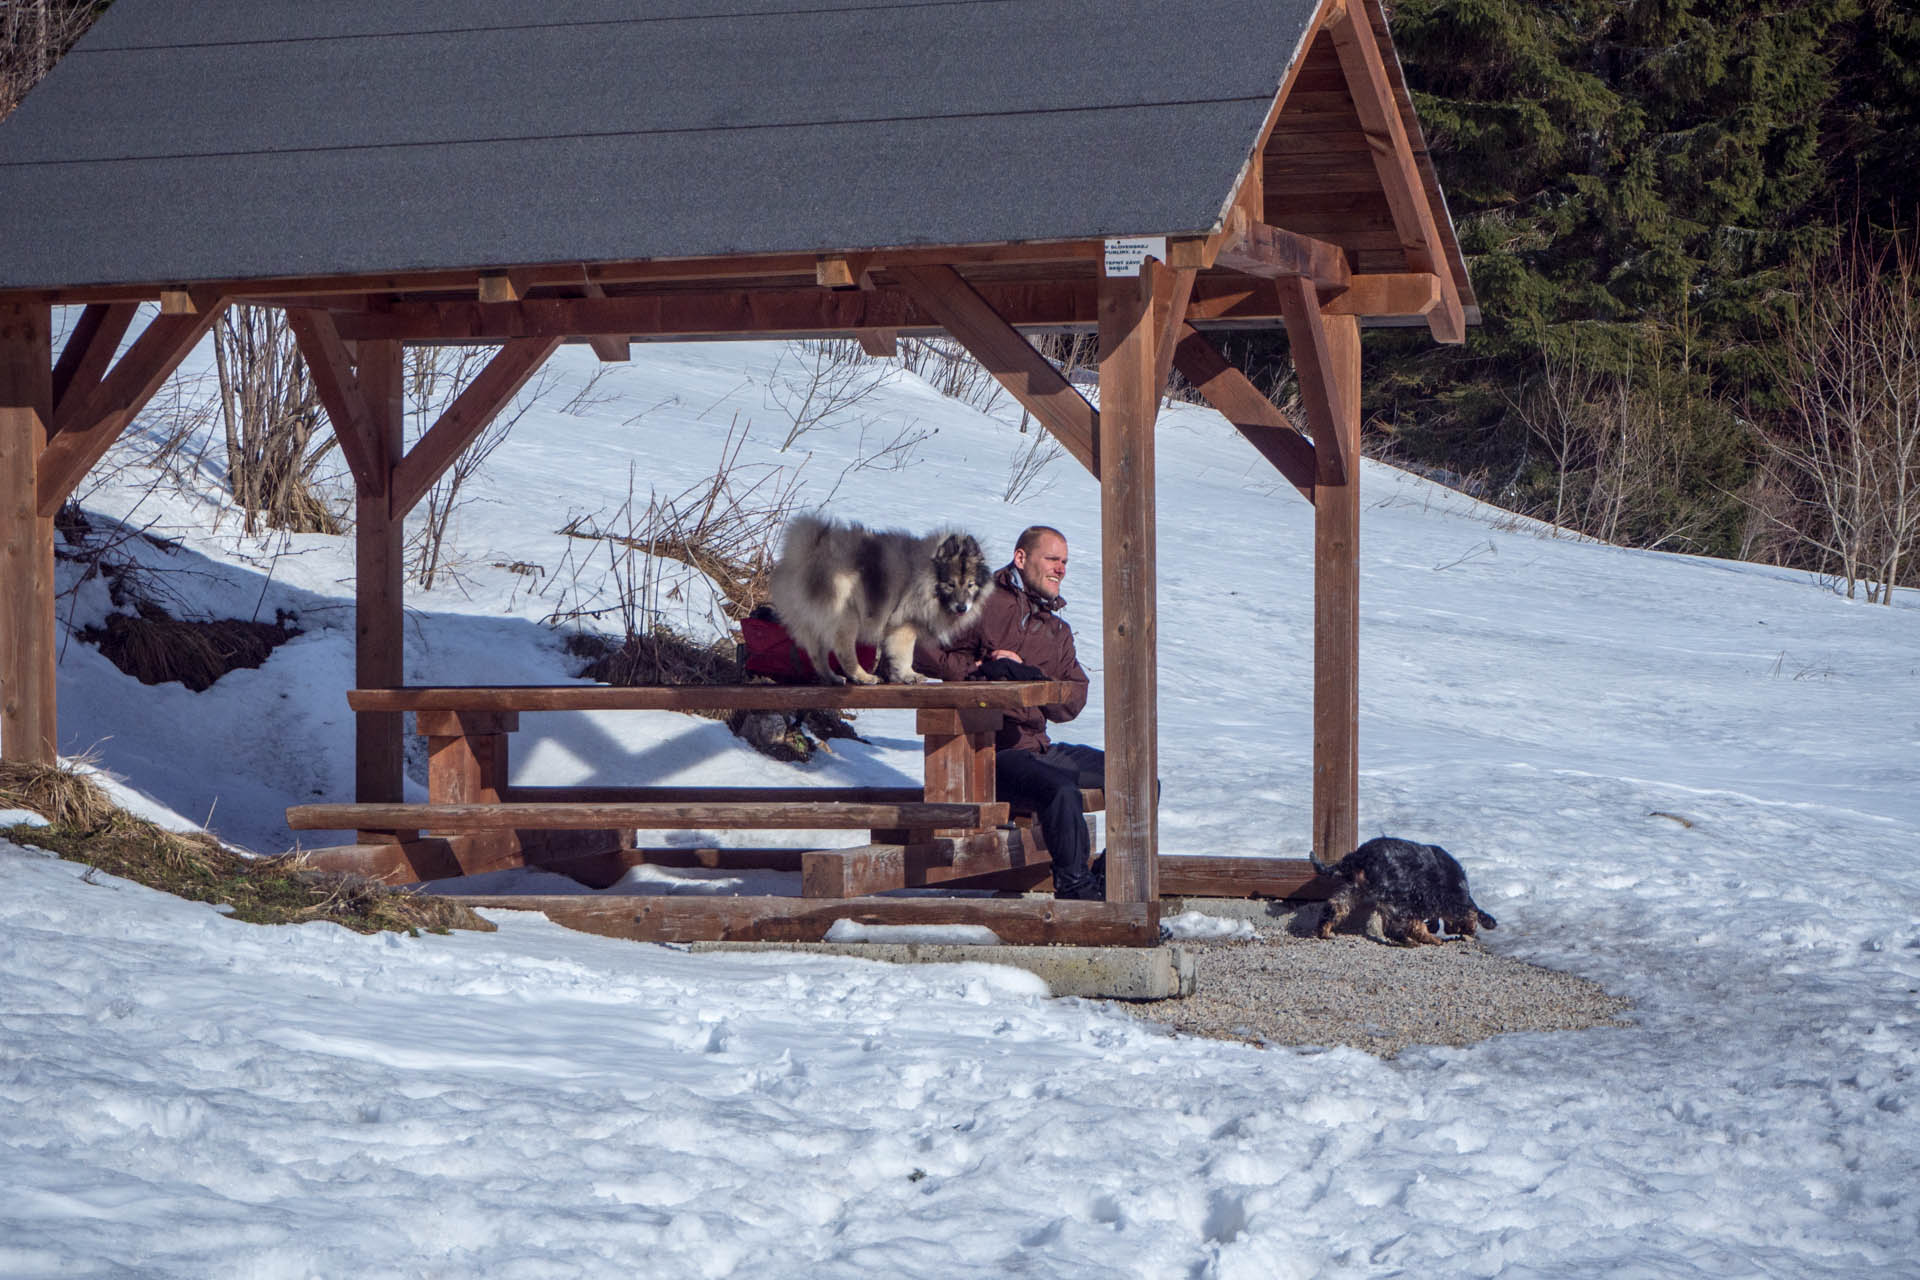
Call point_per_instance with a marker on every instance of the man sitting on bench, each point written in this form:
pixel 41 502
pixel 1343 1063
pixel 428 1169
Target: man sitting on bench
pixel 1021 636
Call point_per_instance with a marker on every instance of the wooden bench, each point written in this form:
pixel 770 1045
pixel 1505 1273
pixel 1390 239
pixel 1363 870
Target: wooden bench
pixel 949 829
pixel 760 815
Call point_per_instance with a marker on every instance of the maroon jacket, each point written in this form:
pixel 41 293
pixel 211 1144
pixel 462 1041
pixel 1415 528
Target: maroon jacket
pixel 1029 624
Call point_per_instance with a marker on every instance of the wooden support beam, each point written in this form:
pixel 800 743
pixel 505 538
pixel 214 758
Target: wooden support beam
pixel 463 421
pixel 429 858
pixel 1247 207
pixel 1336 605
pixel 504 286
pixel 334 379
pixel 843 271
pixel 611 348
pixel 28 719
pixel 88 355
pixel 1236 398
pixel 1010 358
pixel 568 275
pixel 379 576
pixel 1380 296
pixel 1321 389
pixel 678 918
pixel 1199 876
pixel 1373 101
pixel 1129 403
pixel 1276 253
pixel 692 315
pixel 881 344
pixel 1227 299
pixel 104 412
pixel 1169 320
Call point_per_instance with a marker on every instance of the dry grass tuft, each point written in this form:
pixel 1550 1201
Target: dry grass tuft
pixel 63 796
pixel 88 827
pixel 154 648
pixel 660 656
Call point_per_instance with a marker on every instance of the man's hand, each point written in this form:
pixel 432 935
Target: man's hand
pixel 1008 654
pixel 1006 669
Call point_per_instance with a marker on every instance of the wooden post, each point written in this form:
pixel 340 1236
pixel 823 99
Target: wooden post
pixel 1336 608
pixel 379 621
pixel 28 730
pixel 1129 400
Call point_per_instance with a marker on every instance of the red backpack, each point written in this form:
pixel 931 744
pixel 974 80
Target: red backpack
pixel 771 651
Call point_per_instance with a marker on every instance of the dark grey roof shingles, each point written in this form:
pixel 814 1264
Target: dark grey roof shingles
pixel 207 139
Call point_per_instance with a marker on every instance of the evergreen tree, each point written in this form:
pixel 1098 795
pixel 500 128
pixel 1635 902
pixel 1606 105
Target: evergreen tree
pixel 1632 183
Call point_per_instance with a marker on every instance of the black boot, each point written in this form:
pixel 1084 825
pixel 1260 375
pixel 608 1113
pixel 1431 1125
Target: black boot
pixel 1088 886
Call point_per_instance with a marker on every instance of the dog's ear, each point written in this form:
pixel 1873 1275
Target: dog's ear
pixel 948 548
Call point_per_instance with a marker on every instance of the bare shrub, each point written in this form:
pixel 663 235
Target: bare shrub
pixel 726 527
pixel 950 369
pixel 1847 453
pixel 434 379
pixel 274 423
pixel 34 34
pixel 821 384
pixel 1027 473
pixel 659 655
pixel 1616 443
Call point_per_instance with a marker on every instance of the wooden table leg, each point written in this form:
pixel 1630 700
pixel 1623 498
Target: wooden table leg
pixel 467 759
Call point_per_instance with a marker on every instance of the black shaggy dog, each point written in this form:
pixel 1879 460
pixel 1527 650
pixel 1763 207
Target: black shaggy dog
pixel 1408 884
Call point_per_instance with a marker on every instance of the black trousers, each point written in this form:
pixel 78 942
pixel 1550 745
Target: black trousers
pixel 1049 783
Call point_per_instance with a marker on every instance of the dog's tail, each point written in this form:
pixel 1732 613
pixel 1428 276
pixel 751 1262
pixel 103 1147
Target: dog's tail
pixel 1324 868
pixel 803 531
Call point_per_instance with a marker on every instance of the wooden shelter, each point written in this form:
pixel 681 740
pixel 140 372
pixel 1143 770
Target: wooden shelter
pixel 495 173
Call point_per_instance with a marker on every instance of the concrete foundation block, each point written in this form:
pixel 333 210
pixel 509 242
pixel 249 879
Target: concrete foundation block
pixel 1102 973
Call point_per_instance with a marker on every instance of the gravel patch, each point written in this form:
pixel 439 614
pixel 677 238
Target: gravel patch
pixel 1287 987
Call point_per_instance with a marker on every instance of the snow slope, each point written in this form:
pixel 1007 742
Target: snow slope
pixel 1693 781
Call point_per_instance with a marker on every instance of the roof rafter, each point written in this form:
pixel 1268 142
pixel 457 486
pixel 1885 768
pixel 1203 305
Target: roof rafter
pixel 331 365
pixel 86 357
pixel 463 421
pixel 1026 374
pixel 1373 101
pixel 104 412
pixel 1233 394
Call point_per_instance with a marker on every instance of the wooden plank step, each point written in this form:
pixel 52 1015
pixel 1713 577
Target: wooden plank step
pixel 592 817
pixel 676 918
pixel 876 868
pixel 933 695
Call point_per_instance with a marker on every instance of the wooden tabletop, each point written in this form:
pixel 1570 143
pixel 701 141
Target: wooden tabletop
pixel 933 695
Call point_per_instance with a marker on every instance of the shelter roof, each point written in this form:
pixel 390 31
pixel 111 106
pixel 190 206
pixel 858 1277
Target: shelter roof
pixel 187 140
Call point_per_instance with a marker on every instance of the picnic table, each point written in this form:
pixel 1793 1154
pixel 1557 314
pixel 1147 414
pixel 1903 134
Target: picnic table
pixel 949 829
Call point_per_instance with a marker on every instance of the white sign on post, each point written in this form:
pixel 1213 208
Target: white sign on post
pixel 1124 255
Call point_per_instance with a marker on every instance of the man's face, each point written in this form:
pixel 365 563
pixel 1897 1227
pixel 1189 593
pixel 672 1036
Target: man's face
pixel 1045 565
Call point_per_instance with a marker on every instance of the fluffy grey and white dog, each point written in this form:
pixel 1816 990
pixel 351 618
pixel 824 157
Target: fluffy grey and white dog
pixel 838 585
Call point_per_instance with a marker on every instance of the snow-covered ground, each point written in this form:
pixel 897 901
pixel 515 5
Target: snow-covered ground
pixel 1695 782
